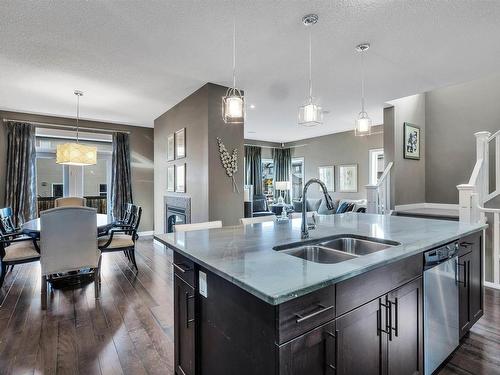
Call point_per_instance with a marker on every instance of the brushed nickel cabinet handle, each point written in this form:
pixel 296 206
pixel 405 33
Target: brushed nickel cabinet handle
pixel 301 318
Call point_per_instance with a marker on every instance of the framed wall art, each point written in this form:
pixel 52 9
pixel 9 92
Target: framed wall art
pixel 171 178
pixel 180 143
pixel 180 178
pixel 348 178
pixel 327 175
pixel 411 141
pixel 170 147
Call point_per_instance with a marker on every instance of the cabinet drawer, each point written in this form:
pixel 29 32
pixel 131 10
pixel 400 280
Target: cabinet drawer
pixel 469 243
pixel 304 313
pixel 361 289
pixel 184 268
pixel 314 353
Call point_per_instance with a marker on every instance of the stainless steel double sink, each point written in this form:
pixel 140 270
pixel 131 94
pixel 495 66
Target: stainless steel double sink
pixel 335 249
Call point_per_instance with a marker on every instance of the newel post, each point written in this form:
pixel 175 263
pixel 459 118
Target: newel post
pixel 371 199
pixel 482 152
pixel 465 208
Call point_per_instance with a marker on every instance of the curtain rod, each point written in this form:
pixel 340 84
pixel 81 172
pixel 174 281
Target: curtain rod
pixel 73 127
pixel 263 146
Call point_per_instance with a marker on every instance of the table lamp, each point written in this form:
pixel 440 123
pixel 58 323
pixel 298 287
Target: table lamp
pixel 282 186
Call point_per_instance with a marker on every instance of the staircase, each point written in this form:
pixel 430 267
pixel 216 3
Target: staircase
pixel 378 196
pixel 476 193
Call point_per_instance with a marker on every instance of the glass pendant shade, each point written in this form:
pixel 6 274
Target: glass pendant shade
pixel 76 154
pixel 363 125
pixel 310 114
pixel 233 107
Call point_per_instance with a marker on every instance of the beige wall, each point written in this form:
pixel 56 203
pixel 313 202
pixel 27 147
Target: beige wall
pixel 141 149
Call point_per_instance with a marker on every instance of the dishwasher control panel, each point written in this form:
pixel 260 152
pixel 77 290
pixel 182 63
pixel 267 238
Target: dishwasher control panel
pixel 440 254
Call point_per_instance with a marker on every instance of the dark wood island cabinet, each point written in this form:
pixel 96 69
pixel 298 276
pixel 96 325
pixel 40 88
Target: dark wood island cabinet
pixel 368 324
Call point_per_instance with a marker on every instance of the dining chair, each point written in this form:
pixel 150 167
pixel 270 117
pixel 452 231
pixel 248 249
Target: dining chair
pixel 70 201
pixel 122 239
pixel 15 247
pixel 258 219
pixel 197 226
pixel 68 242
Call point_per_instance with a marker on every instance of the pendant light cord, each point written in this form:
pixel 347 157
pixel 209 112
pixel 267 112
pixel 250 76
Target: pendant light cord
pixel 77 115
pixel 362 82
pixel 234 52
pixel 310 64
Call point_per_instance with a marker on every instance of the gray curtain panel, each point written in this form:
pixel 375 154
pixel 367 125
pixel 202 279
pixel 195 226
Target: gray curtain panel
pixel 20 184
pixel 253 168
pixel 121 178
pixel 282 158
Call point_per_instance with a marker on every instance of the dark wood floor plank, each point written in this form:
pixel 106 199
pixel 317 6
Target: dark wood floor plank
pixel 129 330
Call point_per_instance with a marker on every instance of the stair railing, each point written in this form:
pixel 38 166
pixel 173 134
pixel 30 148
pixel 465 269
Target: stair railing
pixel 476 193
pixel 379 195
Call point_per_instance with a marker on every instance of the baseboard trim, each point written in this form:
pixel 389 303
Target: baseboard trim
pixel 415 206
pixel 491 285
pixel 146 233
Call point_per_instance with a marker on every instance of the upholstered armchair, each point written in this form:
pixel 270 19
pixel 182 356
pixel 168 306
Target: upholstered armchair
pixel 123 238
pixel 260 207
pixel 68 243
pixel 15 247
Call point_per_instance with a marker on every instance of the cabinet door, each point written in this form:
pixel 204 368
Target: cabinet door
pixel 311 353
pixel 405 342
pixel 185 335
pixel 463 275
pixel 476 282
pixel 360 340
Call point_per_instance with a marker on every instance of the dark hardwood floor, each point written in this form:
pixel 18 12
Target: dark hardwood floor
pixel 129 330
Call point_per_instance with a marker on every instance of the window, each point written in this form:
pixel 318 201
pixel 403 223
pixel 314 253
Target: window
pixel 376 165
pixel 297 178
pixel 268 179
pixel 55 180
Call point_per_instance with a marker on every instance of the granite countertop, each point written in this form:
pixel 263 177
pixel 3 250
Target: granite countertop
pixel 244 255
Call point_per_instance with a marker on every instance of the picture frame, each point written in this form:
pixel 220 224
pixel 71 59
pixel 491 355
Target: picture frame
pixel 171 178
pixel 180 178
pixel 180 144
pixel 171 147
pixel 411 141
pixel 348 178
pixel 327 175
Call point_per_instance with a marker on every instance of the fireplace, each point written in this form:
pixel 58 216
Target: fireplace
pixel 177 211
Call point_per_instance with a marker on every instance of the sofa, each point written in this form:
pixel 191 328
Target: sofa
pixel 340 206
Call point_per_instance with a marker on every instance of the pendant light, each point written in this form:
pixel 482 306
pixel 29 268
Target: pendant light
pixel 233 103
pixel 310 113
pixel 363 125
pixel 72 153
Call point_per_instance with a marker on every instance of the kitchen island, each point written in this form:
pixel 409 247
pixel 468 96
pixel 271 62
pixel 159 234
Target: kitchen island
pixel 244 304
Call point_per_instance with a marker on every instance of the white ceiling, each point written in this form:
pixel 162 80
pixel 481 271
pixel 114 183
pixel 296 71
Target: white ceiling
pixel 136 59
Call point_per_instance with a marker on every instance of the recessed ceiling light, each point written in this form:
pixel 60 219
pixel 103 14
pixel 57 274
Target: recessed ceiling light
pixel 251 132
pixel 252 106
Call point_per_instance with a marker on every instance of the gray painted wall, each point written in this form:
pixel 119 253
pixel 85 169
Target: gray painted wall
pixel 192 114
pixel 408 176
pixel 453 115
pixel 224 203
pixel 141 149
pixel 336 149
pixel 210 189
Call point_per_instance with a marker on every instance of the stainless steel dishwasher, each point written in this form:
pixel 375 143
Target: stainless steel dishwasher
pixel 441 327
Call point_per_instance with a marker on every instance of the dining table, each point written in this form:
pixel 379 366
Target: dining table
pixel 104 222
